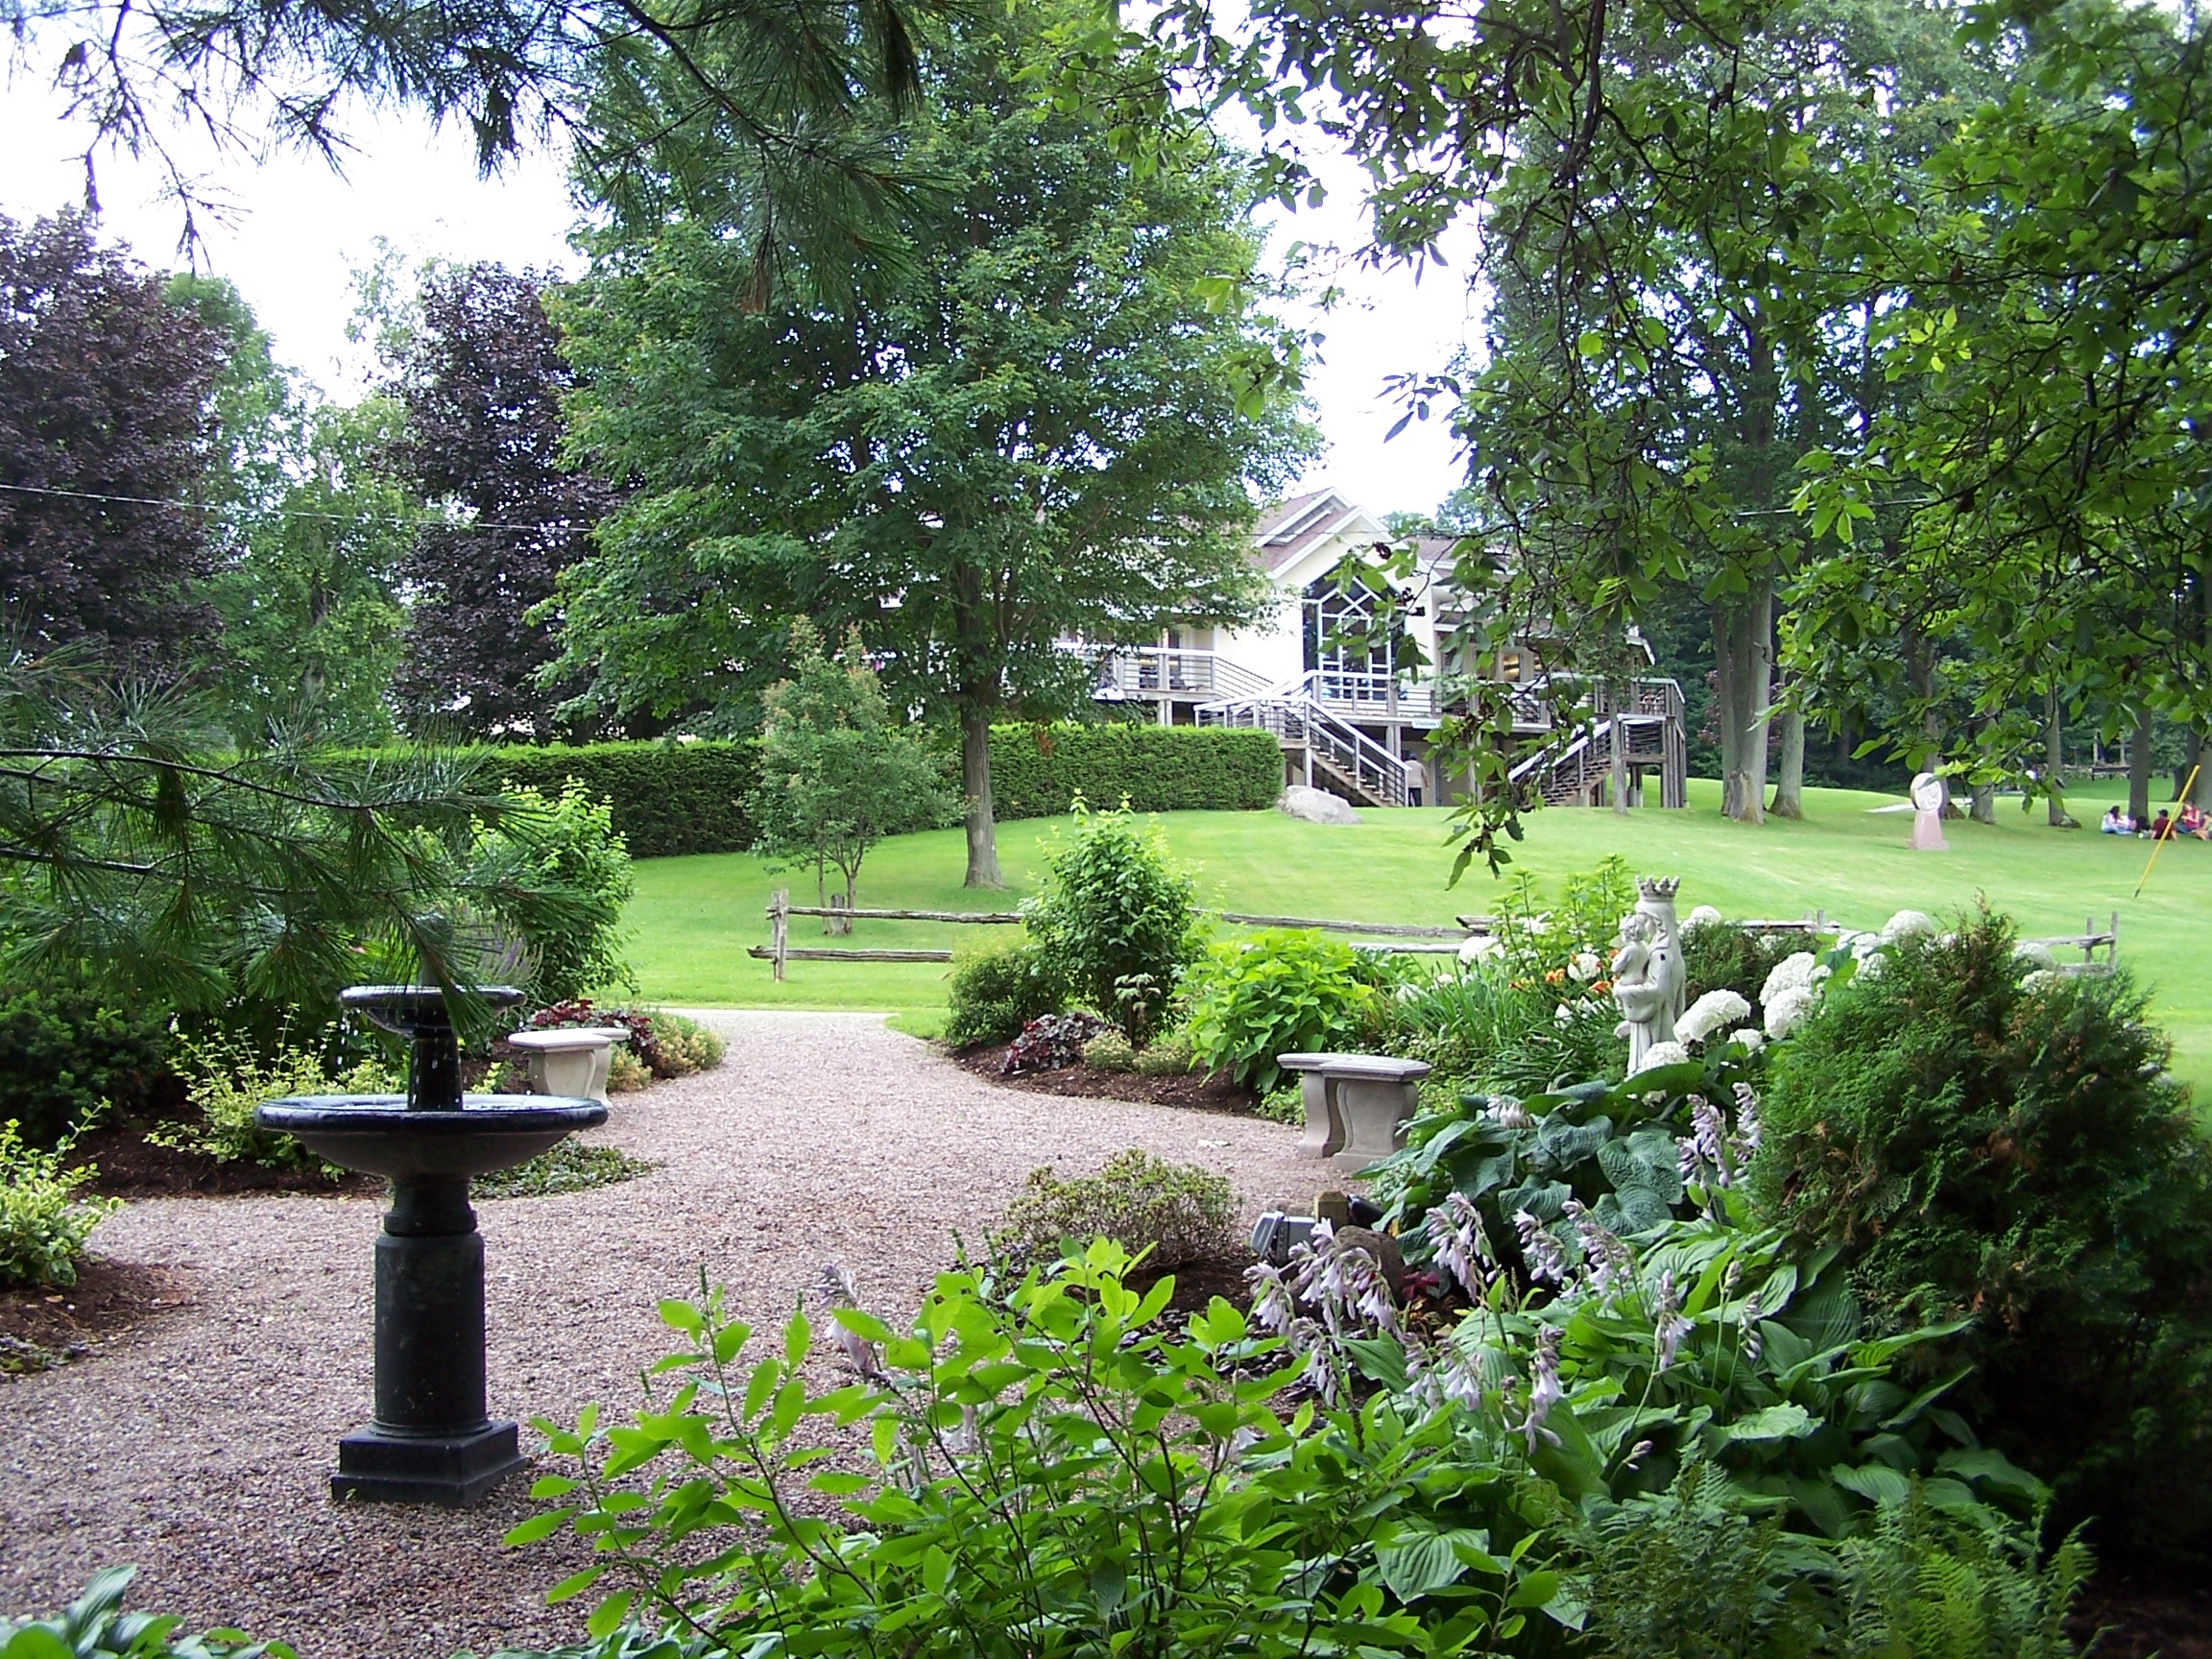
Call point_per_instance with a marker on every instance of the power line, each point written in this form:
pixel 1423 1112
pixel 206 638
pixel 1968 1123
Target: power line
pixel 277 511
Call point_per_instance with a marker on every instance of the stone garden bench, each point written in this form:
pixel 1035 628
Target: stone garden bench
pixel 1357 1105
pixel 571 1060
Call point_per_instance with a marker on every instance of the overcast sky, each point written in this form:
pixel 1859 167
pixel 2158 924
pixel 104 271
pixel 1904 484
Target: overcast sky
pixel 297 231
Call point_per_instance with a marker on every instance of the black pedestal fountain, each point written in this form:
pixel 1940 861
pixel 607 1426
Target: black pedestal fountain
pixel 431 1441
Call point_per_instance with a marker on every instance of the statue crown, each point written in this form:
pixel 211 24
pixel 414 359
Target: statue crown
pixel 1658 886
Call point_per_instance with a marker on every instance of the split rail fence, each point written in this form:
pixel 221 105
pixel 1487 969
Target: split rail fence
pixel 1395 938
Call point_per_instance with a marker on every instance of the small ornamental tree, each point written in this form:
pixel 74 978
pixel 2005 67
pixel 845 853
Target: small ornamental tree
pixel 838 772
pixel 1118 919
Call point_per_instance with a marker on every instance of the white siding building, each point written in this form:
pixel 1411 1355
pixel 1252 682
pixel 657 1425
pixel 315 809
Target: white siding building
pixel 1358 721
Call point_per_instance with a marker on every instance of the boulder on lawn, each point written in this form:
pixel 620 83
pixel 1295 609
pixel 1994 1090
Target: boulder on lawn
pixel 1315 806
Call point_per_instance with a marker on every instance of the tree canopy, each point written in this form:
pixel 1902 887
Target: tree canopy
pixel 103 436
pixel 482 377
pixel 1048 427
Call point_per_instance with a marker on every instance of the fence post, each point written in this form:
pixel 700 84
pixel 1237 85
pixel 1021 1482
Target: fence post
pixel 838 924
pixel 779 927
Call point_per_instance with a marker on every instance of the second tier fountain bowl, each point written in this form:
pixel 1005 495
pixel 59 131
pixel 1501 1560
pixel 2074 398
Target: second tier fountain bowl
pixel 431 1440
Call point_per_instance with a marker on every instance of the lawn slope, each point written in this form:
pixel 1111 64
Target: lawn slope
pixel 694 917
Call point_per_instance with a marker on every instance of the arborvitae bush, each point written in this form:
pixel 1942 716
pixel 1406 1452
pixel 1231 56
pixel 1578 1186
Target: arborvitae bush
pixel 2005 1147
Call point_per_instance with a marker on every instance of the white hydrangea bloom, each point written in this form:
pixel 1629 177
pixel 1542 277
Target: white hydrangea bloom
pixel 2043 979
pixel 1704 916
pixel 1752 1037
pixel 1906 925
pixel 1481 949
pixel 1709 1014
pixel 2034 955
pixel 1661 1054
pixel 1584 966
pixel 1791 973
pixel 1785 1010
pixel 1873 965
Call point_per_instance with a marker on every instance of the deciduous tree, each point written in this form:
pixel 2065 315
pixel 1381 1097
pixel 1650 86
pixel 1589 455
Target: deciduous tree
pixel 838 773
pixel 1048 428
pixel 482 383
pixel 104 435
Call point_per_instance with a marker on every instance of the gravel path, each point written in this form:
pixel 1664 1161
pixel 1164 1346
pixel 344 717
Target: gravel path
pixel 199 1446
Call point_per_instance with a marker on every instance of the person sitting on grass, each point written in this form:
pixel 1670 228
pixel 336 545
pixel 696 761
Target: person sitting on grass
pixel 2195 821
pixel 2117 823
pixel 2162 826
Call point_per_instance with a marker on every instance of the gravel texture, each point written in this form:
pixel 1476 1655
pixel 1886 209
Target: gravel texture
pixel 199 1444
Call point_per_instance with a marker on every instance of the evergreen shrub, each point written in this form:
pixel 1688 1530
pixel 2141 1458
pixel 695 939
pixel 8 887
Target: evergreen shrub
pixel 64 1053
pixel 1041 771
pixel 2003 1146
pixel 1178 1212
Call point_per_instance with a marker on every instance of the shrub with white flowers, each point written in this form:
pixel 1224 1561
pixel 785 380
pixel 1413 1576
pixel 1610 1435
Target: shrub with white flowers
pixel 1710 1012
pixel 1907 925
pixel 1791 973
pixel 1785 1010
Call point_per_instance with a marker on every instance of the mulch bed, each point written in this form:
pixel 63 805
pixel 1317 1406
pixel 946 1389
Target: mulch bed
pixel 109 1299
pixel 1198 1283
pixel 130 1167
pixel 1214 1094
pixel 2142 1620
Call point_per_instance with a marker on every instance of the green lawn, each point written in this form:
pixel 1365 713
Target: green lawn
pixel 694 917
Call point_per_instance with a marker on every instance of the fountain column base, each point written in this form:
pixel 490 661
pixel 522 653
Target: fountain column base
pixel 377 1466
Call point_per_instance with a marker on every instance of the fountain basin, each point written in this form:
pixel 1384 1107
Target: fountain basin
pixel 382 1134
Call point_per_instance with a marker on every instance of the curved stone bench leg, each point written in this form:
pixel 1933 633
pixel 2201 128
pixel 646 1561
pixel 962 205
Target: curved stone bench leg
pixel 1374 1115
pixel 602 1060
pixel 566 1072
pixel 1324 1127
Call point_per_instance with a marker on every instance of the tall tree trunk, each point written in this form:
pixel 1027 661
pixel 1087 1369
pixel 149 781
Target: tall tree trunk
pixel 2054 760
pixel 1983 808
pixel 1742 654
pixel 1789 787
pixel 2200 793
pixel 976 790
pixel 2139 772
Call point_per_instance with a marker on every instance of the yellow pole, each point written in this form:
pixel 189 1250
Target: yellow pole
pixel 2156 844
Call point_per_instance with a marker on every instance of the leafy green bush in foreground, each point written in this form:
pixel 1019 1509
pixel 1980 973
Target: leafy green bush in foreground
pixel 1281 992
pixel 95 1625
pixel 996 992
pixel 43 1224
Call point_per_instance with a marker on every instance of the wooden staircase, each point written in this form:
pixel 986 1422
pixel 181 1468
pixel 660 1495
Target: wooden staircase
pixel 1636 732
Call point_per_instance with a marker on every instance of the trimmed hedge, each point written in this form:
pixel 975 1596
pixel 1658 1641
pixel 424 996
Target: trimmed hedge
pixel 668 798
pixel 1036 771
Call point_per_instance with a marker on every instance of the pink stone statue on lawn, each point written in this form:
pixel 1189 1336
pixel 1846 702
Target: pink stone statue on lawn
pixel 1648 971
pixel 1928 797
